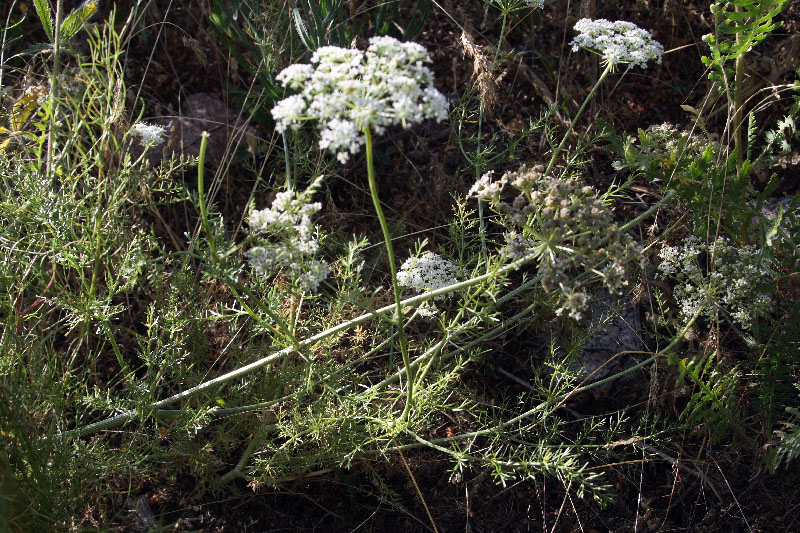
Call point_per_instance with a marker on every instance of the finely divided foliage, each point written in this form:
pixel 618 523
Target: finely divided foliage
pixel 269 315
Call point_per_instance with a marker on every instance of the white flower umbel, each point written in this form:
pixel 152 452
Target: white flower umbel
pixel 737 281
pixel 349 92
pixel 353 95
pixel 293 239
pixel 618 42
pixel 148 134
pixel 427 272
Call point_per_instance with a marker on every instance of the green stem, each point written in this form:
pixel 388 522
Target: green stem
pixel 589 96
pixel 478 159
pixel 289 179
pixel 248 453
pixel 737 101
pixel 500 40
pixel 202 195
pixel 387 238
pixel 53 86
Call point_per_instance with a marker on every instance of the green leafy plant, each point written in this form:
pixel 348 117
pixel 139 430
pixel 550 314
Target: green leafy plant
pixel 788 448
pixel 713 406
pixel 70 25
pixel 739 26
pixel 326 23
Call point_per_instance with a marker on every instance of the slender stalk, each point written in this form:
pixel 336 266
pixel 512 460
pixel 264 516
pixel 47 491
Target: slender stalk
pixel 248 453
pixel 738 118
pixel 289 179
pixel 479 160
pixel 201 195
pixel 387 238
pixel 606 72
pixel 54 86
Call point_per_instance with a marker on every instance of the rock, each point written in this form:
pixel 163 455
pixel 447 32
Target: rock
pixel 143 518
pixel 200 112
pixel 621 333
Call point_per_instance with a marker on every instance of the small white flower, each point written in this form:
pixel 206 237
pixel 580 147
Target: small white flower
pixel 148 134
pixel 293 240
pixel 737 282
pixel 486 189
pixel 618 42
pixel 427 272
pixel 317 272
pixel 289 112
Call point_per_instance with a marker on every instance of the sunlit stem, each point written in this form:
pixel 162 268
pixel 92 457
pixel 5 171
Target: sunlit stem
pixel 289 179
pixel 606 72
pixel 53 87
pixel 387 238
pixel 201 195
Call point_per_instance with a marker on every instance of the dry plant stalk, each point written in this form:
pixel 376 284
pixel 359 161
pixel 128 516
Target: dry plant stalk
pixel 481 72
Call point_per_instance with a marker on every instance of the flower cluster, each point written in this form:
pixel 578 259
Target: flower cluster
pixel 350 91
pixel 427 272
pixel 508 6
pixel 288 222
pixel 735 280
pixel 672 141
pixel 566 226
pixel 662 146
pixel 148 134
pixel 618 42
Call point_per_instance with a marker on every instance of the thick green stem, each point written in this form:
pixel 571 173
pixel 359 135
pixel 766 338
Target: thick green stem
pixel 589 96
pixel 387 238
pixel 201 195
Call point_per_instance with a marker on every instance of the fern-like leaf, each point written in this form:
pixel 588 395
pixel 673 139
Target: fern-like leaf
pixel 789 448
